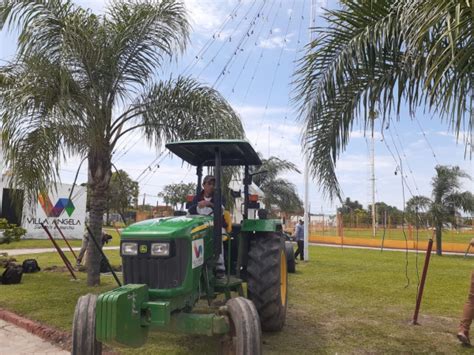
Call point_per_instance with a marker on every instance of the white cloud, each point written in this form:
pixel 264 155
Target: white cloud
pixel 462 137
pixel 276 41
pixel 207 16
pixel 365 134
pixel 359 162
pixel 251 113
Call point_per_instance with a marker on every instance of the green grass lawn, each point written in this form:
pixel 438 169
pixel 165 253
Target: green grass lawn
pixel 342 301
pixel 46 243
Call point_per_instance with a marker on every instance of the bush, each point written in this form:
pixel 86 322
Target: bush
pixel 11 232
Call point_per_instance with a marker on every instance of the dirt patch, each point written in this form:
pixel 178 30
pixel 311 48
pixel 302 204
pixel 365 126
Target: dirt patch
pixel 55 268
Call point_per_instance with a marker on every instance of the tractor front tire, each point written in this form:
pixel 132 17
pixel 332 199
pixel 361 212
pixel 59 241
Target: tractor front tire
pixel 83 328
pixel 290 257
pixel 268 279
pixel 245 336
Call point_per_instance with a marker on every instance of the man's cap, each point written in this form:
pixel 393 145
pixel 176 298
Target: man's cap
pixel 208 178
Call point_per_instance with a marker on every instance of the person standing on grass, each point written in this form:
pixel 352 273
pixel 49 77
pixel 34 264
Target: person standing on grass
pixel 299 235
pixel 85 242
pixel 468 312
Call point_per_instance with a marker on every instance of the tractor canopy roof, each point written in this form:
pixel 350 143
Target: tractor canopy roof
pixel 202 152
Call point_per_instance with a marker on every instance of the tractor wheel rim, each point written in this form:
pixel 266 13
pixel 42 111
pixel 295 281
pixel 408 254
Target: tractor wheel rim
pixel 283 278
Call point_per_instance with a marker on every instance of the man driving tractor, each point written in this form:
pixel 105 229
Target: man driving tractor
pixel 203 204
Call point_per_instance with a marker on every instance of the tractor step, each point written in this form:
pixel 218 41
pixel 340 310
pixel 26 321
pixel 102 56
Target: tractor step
pixel 228 284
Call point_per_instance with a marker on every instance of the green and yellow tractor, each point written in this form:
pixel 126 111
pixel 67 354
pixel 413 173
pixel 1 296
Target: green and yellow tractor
pixel 169 264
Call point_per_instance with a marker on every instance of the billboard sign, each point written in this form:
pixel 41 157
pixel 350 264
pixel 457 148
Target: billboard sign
pixel 56 206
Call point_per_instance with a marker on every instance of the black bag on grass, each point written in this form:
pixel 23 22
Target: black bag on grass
pixel 103 266
pixel 30 266
pixel 12 275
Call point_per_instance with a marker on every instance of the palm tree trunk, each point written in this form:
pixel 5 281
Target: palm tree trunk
pixel 99 177
pixel 439 250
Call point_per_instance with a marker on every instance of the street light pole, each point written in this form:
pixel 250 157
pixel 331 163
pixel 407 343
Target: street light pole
pixel 306 158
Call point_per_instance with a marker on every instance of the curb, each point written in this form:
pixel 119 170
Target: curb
pixel 58 337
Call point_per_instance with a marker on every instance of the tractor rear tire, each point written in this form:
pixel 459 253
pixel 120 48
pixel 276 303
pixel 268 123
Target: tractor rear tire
pixel 290 257
pixel 84 339
pixel 245 336
pixel 268 279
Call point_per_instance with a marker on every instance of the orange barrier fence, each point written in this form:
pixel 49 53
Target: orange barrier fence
pixel 389 244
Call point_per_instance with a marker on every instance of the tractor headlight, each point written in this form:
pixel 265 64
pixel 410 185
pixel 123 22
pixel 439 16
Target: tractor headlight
pixel 160 249
pixel 129 248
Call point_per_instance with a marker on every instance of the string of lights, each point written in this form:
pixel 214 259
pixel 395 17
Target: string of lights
pixel 224 43
pixel 215 36
pixel 285 40
pixel 250 52
pixel 240 44
pixel 297 51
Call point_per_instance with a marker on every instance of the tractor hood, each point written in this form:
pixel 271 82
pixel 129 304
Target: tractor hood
pixel 182 226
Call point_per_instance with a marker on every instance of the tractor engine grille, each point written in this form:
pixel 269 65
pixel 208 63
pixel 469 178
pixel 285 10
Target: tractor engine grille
pixel 158 272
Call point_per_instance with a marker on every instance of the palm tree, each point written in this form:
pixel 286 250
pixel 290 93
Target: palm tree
pixel 279 192
pixel 447 199
pixel 373 56
pixel 417 209
pixel 80 82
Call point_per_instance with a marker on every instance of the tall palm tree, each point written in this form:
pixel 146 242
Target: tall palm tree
pixel 278 191
pixel 375 55
pixel 447 199
pixel 417 210
pixel 80 82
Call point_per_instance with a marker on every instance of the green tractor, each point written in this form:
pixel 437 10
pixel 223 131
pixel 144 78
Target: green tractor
pixel 169 264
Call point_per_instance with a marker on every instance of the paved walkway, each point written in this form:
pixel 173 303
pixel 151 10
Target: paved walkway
pixel 13 252
pixel 15 340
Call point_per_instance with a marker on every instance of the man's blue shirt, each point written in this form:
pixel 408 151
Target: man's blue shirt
pixel 299 233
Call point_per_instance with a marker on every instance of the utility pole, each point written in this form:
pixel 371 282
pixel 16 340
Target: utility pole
pixel 306 162
pixel 373 116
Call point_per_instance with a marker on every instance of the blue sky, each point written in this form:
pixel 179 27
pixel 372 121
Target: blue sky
pixel 250 58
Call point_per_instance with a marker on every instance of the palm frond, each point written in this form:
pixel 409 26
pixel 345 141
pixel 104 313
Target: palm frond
pixel 41 24
pixel 344 76
pixel 41 122
pixel 460 200
pixel 33 159
pixel 282 193
pixel 418 204
pixel 447 181
pixel 440 32
pixel 369 59
pixel 271 168
pixel 142 35
pixel 183 109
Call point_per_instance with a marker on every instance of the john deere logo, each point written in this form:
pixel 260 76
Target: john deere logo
pixel 143 248
pixel 63 204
